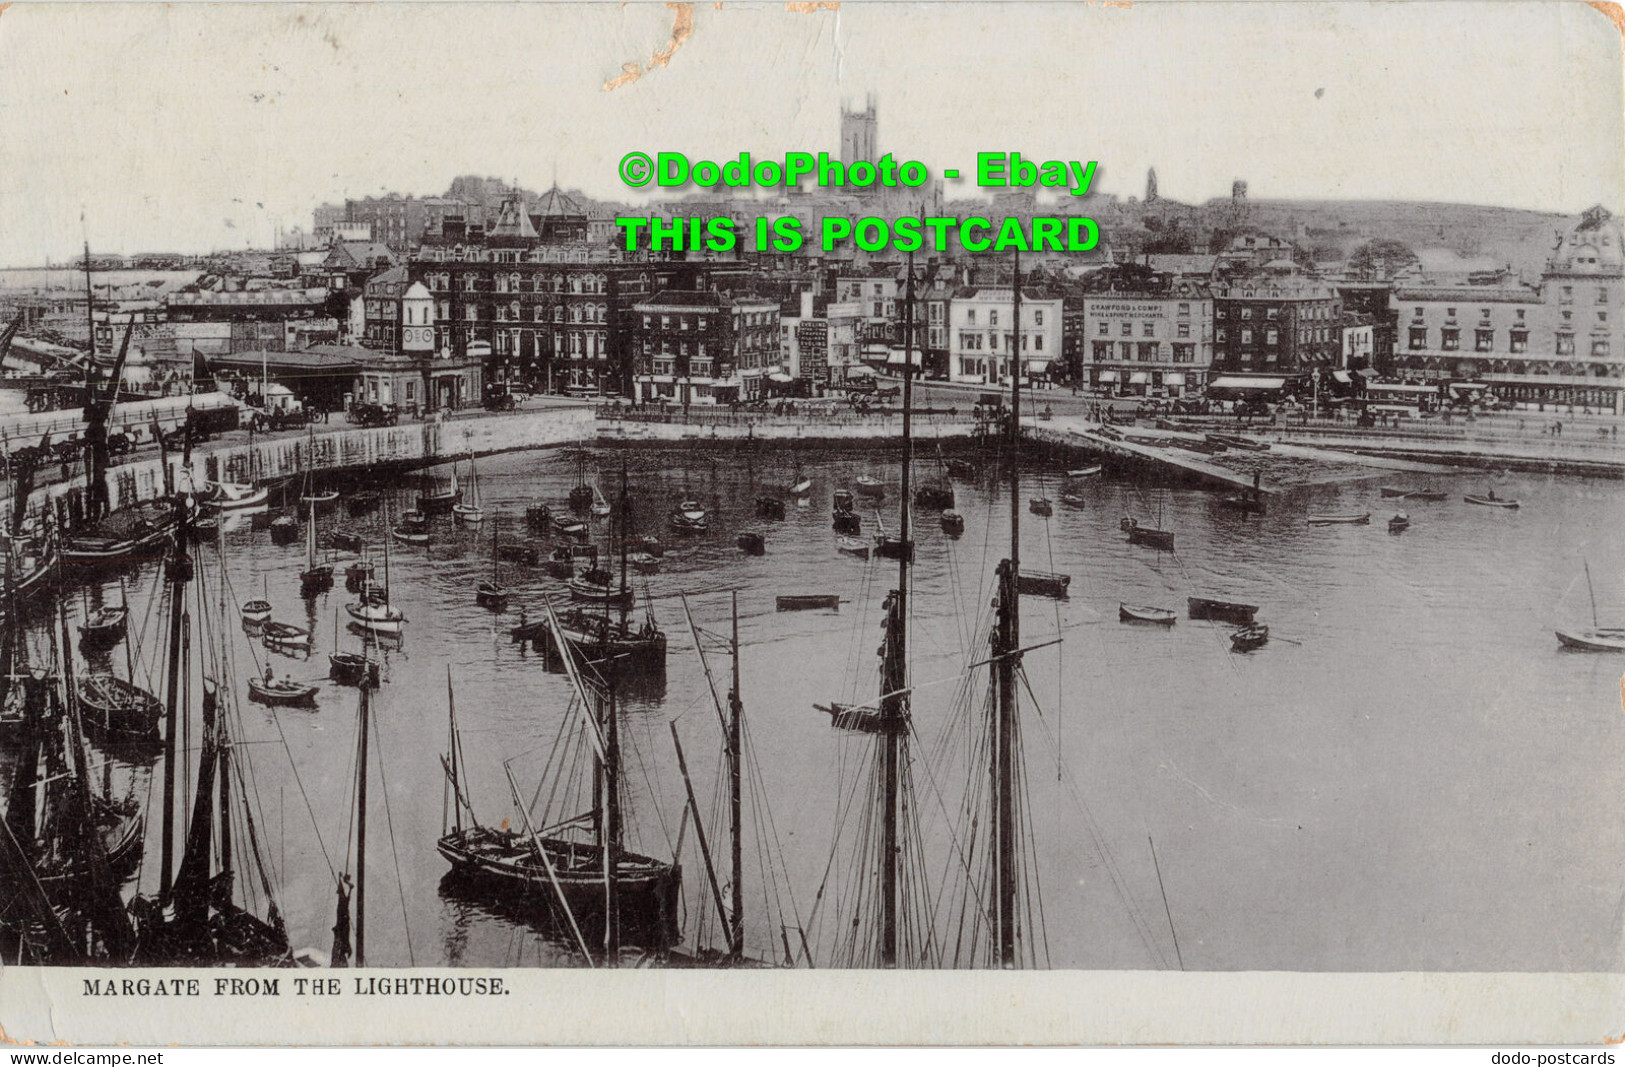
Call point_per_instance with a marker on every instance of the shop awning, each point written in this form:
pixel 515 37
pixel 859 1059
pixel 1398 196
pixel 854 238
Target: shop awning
pixel 1108 376
pixel 1171 378
pixel 1139 377
pixel 1037 366
pixel 780 378
pixel 1251 385
pixel 1343 376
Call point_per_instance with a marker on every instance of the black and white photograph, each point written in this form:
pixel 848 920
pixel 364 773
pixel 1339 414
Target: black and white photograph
pixel 733 487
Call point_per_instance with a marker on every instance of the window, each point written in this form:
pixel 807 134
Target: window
pixel 1419 338
pixel 411 390
pixel 1125 350
pixel 1484 313
pixel 1483 340
pixel 1127 329
pixel 1270 314
pixel 1599 346
pixel 1184 329
pixel 703 321
pixel 1450 340
pixel 1567 296
pixel 1184 353
pixel 1565 344
pixel 1219 335
pixel 1038 342
pixel 1602 316
pixel 1219 313
pixel 1520 340
pixel 1148 329
pixel 992 318
pixel 1184 310
pixel 1148 352
pixel 1602 296
pixel 1103 351
pixel 1038 318
pixel 1418 313
pixel 1246 337
pixel 1271 337
pixel 1105 329
pixel 1246 313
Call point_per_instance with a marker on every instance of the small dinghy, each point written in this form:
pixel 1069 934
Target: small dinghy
pixel 517 553
pixel 1249 638
pixel 285 637
pixel 1221 610
pixel 870 487
pixel 1156 616
pixel 809 602
pixel 1605 640
pixel 284 530
pixel 357 574
pixel 852 547
pixel 347 541
pixel 1085 472
pixel 1399 523
pixel 953 523
pixel 256 613
pixel 235 496
pixel 1043 583
pixel 1074 500
pixel 1146 535
pixel 410 535
pixel 491 596
pixel 1395 493
pixel 352 668
pixel 643 562
pixel 752 544
pixel 320 500
pixel 1430 495
pixel 285 692
pixel 1490 501
pixel 104 627
pixel 768 507
pixel 1363 519
pixel 1040 506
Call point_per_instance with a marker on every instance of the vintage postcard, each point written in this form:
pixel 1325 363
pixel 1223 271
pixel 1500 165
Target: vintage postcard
pixel 802 523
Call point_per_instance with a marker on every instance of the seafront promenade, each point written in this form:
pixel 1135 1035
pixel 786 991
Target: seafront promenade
pixel 1339 450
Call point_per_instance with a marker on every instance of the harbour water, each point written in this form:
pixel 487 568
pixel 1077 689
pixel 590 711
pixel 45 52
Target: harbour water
pixel 1410 776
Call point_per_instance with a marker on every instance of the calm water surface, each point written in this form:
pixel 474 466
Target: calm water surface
pixel 1410 775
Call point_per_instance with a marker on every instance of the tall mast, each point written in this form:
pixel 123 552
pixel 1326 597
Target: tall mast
pixel 612 828
pixel 894 703
pixel 1007 644
pixel 361 833
pixel 626 535
pixel 178 571
pixel 736 914
pixel 90 321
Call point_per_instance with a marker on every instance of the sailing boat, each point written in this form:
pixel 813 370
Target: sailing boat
pixel 470 512
pixel 433 501
pixel 309 495
pixel 1597 639
pixel 195 918
pixel 490 594
pixel 373 613
pixel 608 644
pixel 576 862
pixel 316 577
pixel 581 496
pixel 895 936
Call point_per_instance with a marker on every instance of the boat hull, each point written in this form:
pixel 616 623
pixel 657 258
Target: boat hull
pixel 1592 640
pixel 1153 616
pixel 1221 610
pixel 118 709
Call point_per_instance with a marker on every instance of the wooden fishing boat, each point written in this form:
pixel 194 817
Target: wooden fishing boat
pixel 1074 500
pixel 887 547
pixel 608 643
pixel 852 547
pixel 235 496
pixel 1243 502
pixel 768 507
pixel 357 573
pixel 1221 610
pixel 347 540
pixel 206 527
pixel 1362 519
pixel 538 517
pixel 255 613
pixel 689 519
pixel 1605 640
pixel 1395 493
pixel 597 586
pixel 1248 638
pixel 643 562
pixel 284 530
pixel 1157 616
pixel 352 668
pixel 870 487
pixel 285 637
pixel 518 553
pixel 125 534
pixel 1145 535
pixel 752 544
pixel 1490 501
pixel 321 499
pixel 491 596
pixel 105 626
pixel 808 602
pixel 1043 583
pixel 962 469
pixel 317 577
pixel 1040 505
pixel 570 528
pixel 953 523
pixel 936 497
pixel 283 692
pixel 409 536
pixel 560 562
pixel 652 545
pixel 1399 523
pixel 1085 472
pixel 376 618
pixel 1429 495
pixel 358 504
pixel 119 709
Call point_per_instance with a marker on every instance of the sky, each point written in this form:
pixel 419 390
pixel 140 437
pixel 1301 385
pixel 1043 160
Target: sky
pixel 194 126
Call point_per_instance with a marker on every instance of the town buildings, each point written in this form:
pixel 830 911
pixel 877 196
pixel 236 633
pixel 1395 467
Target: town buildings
pixel 982 338
pixel 1278 324
pixel 1145 341
pixel 707 347
pixel 1556 342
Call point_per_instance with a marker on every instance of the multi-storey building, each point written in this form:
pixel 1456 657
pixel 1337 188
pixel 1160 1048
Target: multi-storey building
pixel 982 336
pixel 706 347
pixel 396 220
pixel 1560 342
pixel 1284 325
pixel 1143 342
